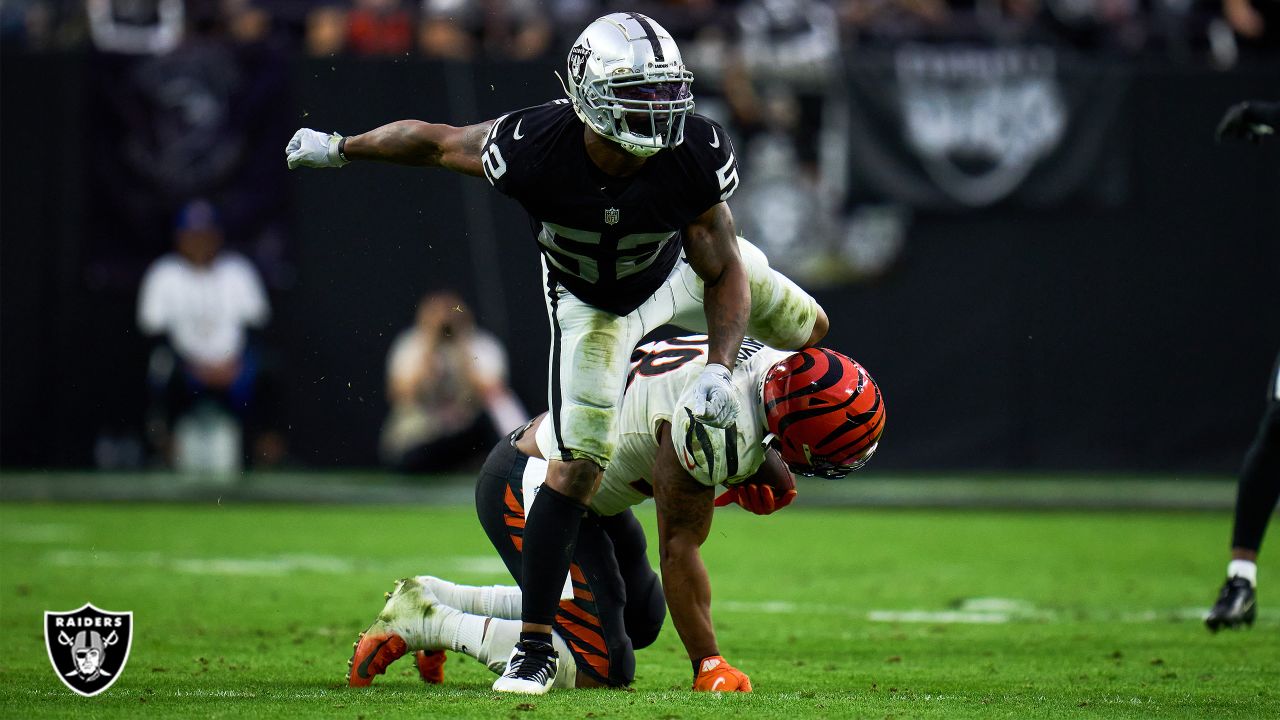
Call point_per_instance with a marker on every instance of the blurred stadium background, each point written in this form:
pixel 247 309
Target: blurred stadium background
pixel 1014 211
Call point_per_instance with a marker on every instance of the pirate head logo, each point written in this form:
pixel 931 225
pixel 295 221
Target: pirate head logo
pixel 980 120
pixel 578 61
pixel 88 647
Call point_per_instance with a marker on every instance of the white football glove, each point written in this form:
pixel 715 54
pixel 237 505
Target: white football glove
pixel 309 148
pixel 711 398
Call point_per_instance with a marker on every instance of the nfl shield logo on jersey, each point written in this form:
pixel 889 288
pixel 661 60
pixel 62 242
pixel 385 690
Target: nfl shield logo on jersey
pixel 611 216
pixel 88 647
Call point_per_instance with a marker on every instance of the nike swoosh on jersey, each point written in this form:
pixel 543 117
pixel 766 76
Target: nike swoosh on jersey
pixel 715 685
pixel 715 137
pixel 516 133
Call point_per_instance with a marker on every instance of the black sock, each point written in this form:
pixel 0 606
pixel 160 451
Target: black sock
pixel 550 535
pixel 1259 483
pixel 540 637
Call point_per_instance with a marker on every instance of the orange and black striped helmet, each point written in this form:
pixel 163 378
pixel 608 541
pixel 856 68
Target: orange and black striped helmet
pixel 824 411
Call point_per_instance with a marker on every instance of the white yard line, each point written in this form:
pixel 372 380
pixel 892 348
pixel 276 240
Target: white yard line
pixel 971 611
pixel 41 533
pixel 276 565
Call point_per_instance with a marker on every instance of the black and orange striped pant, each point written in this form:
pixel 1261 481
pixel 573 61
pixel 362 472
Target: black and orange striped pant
pixel 617 605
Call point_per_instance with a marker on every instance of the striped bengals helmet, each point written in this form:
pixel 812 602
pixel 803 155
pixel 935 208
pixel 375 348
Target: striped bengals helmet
pixel 824 411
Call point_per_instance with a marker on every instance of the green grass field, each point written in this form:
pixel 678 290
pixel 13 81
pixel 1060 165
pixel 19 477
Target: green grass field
pixel 250 611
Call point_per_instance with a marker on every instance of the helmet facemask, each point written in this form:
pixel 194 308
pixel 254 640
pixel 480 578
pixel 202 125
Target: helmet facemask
pixel 645 111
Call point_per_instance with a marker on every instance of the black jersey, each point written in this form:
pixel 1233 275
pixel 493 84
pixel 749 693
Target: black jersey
pixel 609 241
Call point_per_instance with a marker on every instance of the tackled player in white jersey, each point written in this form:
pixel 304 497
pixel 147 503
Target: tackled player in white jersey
pixel 815 412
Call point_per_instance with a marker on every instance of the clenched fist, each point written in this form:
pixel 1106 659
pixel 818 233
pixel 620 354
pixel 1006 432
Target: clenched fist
pixel 711 397
pixel 309 148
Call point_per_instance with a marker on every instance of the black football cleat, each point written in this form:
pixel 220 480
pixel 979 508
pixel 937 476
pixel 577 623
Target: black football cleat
pixel 1237 605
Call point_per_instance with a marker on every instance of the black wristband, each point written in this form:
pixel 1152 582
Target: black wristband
pixel 342 148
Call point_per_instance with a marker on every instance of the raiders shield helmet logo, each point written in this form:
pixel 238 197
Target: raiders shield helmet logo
pixel 578 61
pixel 88 647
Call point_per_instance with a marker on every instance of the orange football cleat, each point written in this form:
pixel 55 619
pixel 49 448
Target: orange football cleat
pixel 374 651
pixel 430 665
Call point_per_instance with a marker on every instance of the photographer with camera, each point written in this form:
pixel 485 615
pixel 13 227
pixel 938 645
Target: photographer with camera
pixel 447 387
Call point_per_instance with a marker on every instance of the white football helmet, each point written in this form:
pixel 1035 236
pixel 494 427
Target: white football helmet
pixel 628 83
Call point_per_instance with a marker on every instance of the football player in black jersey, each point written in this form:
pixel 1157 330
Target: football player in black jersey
pixel 625 188
pixel 1259 487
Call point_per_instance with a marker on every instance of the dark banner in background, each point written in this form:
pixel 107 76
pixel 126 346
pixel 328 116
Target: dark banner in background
pixel 1088 284
pixel 201 121
pixel 964 127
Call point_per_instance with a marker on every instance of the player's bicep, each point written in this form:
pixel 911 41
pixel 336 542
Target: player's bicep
pixel 685 505
pixel 462 150
pixel 711 243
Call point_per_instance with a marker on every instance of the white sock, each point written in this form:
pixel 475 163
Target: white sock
pixel 1243 569
pixel 499 601
pixel 501 638
pixel 507 602
pixel 436 629
pixel 468 634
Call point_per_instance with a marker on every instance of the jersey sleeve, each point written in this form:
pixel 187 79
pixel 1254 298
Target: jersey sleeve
pixel 497 154
pixel 515 146
pixel 715 163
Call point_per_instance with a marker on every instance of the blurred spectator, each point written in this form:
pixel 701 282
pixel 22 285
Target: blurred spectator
pixel 371 27
pixel 201 302
pixel 893 18
pixel 1255 22
pixel 465 29
pixel 326 30
pixel 380 27
pixel 447 387
pixel 246 21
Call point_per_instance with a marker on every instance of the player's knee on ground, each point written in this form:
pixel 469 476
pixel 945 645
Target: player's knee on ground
pixel 782 315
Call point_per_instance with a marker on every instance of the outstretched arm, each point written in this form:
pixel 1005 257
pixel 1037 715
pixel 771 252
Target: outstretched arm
pixel 404 142
pixel 413 142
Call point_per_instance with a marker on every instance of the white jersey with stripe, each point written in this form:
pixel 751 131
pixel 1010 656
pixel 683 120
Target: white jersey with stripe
pixel 660 372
